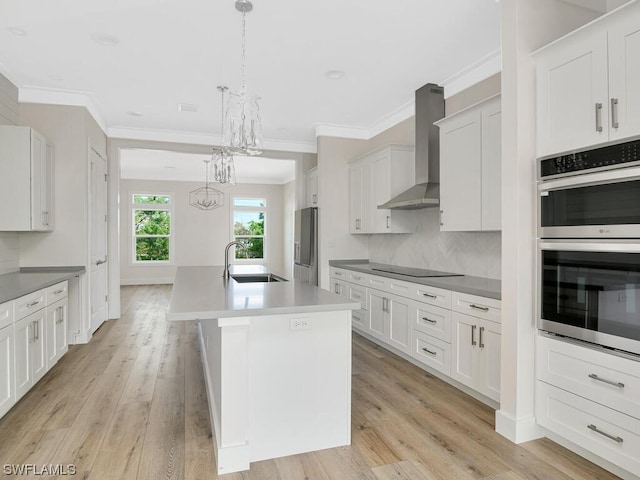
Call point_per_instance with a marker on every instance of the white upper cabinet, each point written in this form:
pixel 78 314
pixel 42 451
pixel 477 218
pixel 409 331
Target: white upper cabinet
pixel 26 180
pixel 311 187
pixel 374 179
pixel 470 164
pixel 588 85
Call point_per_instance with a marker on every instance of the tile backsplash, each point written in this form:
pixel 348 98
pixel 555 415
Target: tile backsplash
pixel 470 253
pixel 9 252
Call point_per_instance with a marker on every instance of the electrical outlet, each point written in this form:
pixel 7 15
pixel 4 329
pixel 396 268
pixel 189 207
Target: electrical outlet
pixel 299 324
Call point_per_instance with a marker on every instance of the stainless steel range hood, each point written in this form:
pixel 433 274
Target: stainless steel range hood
pixel 426 192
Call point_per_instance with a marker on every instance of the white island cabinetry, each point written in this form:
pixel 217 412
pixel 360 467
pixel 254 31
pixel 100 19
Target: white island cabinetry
pixel 277 361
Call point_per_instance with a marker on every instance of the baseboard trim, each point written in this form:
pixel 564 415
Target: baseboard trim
pixel 147 281
pixel 517 430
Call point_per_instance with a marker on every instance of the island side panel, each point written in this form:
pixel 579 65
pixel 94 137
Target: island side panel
pixel 300 383
pixel 226 360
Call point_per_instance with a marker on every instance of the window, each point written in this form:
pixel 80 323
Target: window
pixel 151 215
pixel 249 219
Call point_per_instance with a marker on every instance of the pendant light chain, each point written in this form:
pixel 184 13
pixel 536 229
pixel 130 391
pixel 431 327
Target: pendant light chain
pixel 243 83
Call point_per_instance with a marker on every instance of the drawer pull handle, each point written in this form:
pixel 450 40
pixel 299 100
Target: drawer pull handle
pixel 425 349
pixel 58 292
pixel 604 380
pixel 357 297
pixel 356 278
pixel 428 295
pixel 427 319
pixel 479 307
pixel 33 304
pixel 608 435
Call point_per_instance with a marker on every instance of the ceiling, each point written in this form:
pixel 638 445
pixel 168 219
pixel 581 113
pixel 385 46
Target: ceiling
pixel 160 53
pixel 143 164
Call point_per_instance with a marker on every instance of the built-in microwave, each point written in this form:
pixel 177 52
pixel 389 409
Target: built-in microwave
pixel 590 194
pixel 590 290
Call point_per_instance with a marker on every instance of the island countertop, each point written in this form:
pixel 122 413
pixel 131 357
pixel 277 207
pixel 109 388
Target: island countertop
pixel 201 293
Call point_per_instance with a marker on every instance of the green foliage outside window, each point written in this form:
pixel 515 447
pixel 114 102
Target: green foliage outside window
pixel 152 229
pixel 248 227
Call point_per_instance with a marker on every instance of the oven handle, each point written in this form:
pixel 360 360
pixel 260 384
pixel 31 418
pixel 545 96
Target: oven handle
pixel 591 245
pixel 587 179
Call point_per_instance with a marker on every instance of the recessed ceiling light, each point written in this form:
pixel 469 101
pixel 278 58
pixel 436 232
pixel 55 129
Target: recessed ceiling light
pixel 105 39
pixel 335 74
pixel 134 113
pixel 18 32
pixel 187 107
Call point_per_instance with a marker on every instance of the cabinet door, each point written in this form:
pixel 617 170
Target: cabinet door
pixel 378 315
pixel 62 342
pixel 7 393
pixel 23 335
pixel 355 199
pixel 400 316
pixel 491 166
pixel 38 348
pixel 38 172
pixel 489 361
pixel 311 188
pixel 572 100
pixel 465 345
pixel 460 173
pixel 624 78
pixel 380 192
pixel 56 336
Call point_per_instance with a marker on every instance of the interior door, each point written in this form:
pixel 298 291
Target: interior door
pixel 98 247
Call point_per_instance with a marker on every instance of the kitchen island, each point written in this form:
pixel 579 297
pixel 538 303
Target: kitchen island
pixel 277 362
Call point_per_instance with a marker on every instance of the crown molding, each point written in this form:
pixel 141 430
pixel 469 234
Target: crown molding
pixel 400 114
pixel 50 96
pixel 474 73
pixel 174 136
pixel 342 131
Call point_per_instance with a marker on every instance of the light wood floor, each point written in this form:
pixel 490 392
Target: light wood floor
pixel 132 404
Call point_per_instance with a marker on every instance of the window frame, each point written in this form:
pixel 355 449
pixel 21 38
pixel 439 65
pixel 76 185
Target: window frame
pixel 247 209
pixel 133 261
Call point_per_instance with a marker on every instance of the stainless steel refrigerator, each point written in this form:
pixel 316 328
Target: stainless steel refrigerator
pixel 305 248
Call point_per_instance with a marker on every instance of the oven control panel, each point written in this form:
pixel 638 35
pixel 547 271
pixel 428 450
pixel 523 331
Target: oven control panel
pixel 579 162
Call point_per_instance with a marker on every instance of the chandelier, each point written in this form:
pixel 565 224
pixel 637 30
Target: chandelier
pixel 224 170
pixel 207 197
pixel 242 132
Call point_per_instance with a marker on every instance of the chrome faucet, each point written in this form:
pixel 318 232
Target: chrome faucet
pixel 225 273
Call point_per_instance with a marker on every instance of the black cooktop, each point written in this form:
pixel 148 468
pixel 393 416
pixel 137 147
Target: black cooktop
pixel 416 272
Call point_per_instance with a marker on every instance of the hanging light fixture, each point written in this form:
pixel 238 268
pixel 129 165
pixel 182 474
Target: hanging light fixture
pixel 242 132
pixel 207 197
pixel 224 170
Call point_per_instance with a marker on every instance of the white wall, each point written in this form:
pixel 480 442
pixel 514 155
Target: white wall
pixel 200 235
pixel 526 26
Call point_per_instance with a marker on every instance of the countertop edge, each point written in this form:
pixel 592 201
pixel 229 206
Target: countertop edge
pixel 22 282
pixel 447 283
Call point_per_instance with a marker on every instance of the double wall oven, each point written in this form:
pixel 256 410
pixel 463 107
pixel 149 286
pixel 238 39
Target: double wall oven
pixel 589 246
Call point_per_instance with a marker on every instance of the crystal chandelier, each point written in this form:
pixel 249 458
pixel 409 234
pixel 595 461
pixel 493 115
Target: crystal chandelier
pixel 242 132
pixel 224 170
pixel 207 197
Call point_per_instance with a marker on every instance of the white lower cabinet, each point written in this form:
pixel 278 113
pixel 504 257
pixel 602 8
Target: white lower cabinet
pixel 56 329
pixel 417 320
pixel 476 345
pixel 591 398
pixel 30 352
pixel 7 384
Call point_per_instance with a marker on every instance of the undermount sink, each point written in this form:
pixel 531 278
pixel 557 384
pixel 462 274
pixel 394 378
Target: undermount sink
pixel 258 278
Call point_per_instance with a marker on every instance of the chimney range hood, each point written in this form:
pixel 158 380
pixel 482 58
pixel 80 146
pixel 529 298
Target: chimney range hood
pixel 426 192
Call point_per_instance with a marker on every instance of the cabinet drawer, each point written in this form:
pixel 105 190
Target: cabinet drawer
pixel 6 314
pixel 379 283
pixel 432 295
pixel 30 303
pixel 359 319
pixel 607 379
pixel 431 351
pixel 338 273
pixel 358 294
pixel 57 292
pixel 612 435
pixel 481 307
pixel 434 321
pixel 358 278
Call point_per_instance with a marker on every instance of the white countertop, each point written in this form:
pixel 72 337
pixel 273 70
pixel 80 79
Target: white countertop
pixel 202 293
pixel 16 284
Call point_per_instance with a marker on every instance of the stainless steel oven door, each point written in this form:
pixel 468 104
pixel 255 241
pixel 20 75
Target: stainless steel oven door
pixel 590 290
pixel 604 204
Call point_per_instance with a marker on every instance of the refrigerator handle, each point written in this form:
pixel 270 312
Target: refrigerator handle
pixel 296 254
